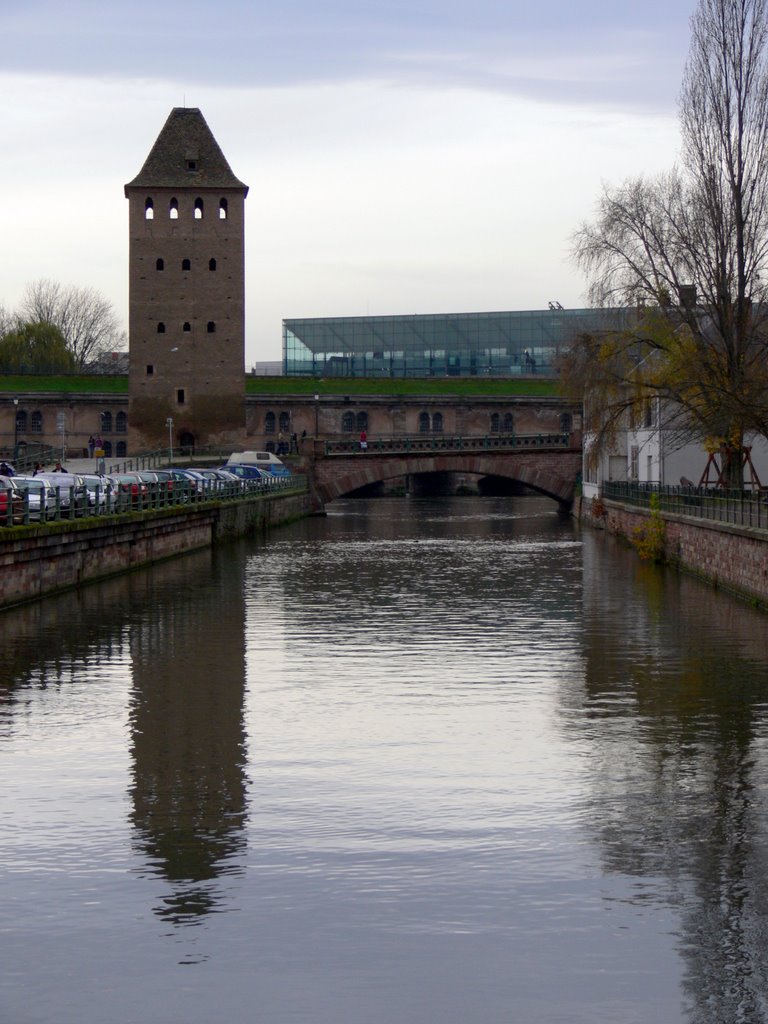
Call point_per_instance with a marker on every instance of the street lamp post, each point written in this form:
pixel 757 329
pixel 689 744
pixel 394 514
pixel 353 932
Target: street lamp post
pixel 15 429
pixel 317 409
pixel 169 424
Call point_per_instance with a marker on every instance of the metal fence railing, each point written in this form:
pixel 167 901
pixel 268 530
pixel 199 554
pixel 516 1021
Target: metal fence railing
pixel 21 506
pixel 447 442
pixel 739 508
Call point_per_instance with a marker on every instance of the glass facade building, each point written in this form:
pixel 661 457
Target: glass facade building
pixel 433 345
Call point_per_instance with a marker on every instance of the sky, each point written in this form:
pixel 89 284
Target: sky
pixel 433 156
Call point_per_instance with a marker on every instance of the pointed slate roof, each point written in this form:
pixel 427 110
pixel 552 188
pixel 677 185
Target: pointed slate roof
pixel 185 155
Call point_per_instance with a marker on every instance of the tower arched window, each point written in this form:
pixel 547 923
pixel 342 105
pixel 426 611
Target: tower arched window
pixel 269 423
pixel 494 423
pixel 106 422
pixel 187 327
pixel 21 421
pixel 149 208
pixel 211 264
pixel 509 423
pixel 222 209
pixel 362 421
pixel 198 208
pixel 423 422
pixel 211 327
pixel 437 423
pixel 348 423
pixel 161 328
pixel 36 422
pixel 173 209
pixel 160 264
pixel 121 423
pixel 186 264
pixel 285 422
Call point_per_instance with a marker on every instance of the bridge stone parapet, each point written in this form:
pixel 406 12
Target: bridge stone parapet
pixel 552 472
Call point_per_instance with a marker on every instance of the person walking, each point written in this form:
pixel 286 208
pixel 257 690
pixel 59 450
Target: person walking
pixel 363 441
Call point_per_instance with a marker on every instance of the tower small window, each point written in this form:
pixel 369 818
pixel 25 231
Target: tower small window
pixel 187 327
pixel 150 369
pixel 161 328
pixel 149 208
pixel 160 265
pixel 191 165
pixel 211 264
pixel 180 396
pixel 186 264
pixel 198 208
pixel 211 327
pixel 222 209
pixel 173 209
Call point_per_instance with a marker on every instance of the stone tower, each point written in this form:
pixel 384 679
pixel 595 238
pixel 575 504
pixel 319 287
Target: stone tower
pixel 187 292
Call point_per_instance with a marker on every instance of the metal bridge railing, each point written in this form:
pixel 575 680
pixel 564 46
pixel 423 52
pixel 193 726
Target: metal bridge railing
pixel 739 508
pixel 447 443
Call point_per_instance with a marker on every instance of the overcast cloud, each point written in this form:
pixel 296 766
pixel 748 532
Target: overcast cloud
pixel 422 157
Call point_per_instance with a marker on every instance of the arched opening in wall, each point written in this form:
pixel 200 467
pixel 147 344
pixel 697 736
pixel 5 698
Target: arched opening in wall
pixel 566 423
pixel 211 264
pixel 423 422
pixel 222 209
pixel 161 328
pixel 187 327
pixel 285 422
pixel 187 440
pixel 149 209
pixel 173 209
pixel 121 423
pixel 348 423
pixel 186 264
pixel 494 423
pixel 198 208
pixel 36 422
pixel 160 264
pixel 211 328
pixel 106 422
pixel 509 423
pixel 21 421
pixel 121 449
pixel 269 423
pixel 362 421
pixel 437 423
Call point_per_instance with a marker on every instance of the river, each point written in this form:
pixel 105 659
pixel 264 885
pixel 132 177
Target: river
pixel 421 760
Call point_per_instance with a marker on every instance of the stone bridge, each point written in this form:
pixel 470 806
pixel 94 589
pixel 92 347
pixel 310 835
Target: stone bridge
pixel 549 464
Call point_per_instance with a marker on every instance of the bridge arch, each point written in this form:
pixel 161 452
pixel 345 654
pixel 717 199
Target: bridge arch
pixel 550 473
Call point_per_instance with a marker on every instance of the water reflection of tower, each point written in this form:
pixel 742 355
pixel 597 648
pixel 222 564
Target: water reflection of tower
pixel 188 739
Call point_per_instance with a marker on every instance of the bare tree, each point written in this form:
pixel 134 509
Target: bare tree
pixel 689 249
pixel 86 319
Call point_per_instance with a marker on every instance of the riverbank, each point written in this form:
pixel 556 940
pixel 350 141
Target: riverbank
pixel 38 561
pixel 730 557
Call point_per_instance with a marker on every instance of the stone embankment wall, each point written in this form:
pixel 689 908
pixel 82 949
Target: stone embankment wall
pixel 734 558
pixel 42 560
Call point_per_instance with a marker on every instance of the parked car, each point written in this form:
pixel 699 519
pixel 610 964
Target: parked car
pixel 268 462
pixel 11 502
pixel 71 493
pixel 132 491
pixel 39 496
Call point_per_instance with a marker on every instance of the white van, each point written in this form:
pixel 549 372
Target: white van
pixel 267 462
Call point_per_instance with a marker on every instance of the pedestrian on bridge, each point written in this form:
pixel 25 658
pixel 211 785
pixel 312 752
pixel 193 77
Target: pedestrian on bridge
pixel 363 441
